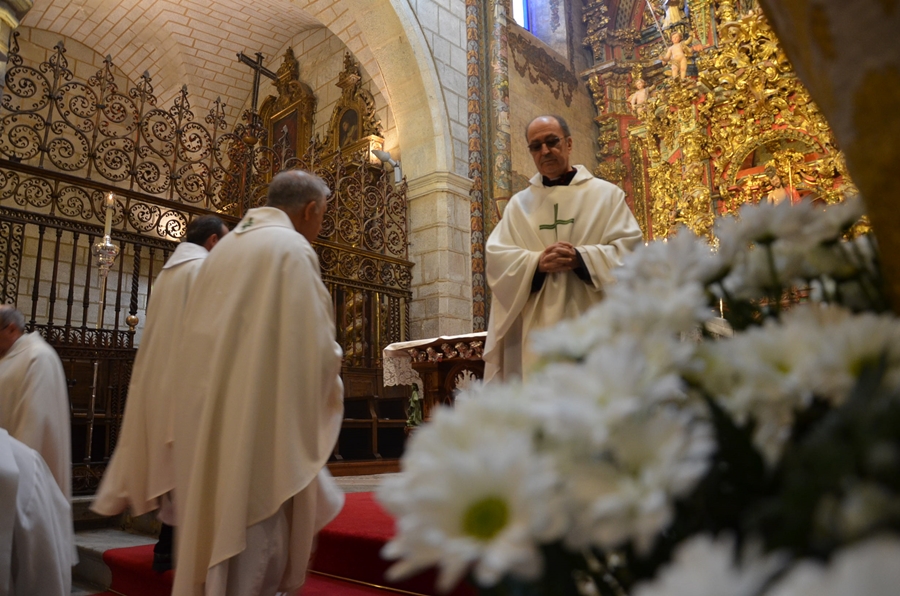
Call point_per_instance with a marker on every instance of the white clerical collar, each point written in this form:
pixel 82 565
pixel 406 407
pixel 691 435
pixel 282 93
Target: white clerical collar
pixel 263 217
pixel 582 175
pixel 184 252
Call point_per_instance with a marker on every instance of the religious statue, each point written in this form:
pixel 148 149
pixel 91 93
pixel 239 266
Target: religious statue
pixel 677 55
pixel 673 12
pixel 637 99
pixel 779 191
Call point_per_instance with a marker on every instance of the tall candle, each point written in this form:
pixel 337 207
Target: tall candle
pixel 110 201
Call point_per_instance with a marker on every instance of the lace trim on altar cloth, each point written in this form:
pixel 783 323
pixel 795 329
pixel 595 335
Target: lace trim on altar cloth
pixel 398 370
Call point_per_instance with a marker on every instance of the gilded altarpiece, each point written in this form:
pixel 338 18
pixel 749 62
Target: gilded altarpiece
pixel 735 125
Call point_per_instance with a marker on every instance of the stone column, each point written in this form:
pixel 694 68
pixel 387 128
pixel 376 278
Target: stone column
pixel 440 246
pixel 11 14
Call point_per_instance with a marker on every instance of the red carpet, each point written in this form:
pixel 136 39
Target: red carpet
pixel 348 548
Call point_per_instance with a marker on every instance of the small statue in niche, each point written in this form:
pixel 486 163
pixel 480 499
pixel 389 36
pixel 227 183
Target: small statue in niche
pixel 673 12
pixel 745 7
pixel 676 56
pixel 779 191
pixel 637 99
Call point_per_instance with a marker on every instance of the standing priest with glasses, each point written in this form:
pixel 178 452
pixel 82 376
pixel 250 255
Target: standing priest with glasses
pixel 553 251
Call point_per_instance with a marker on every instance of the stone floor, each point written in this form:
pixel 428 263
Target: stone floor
pixel 359 484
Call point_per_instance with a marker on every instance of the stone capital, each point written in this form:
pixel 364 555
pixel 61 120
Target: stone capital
pixel 13 11
pixel 439 182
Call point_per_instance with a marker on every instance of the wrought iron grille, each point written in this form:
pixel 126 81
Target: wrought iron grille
pixel 47 276
pixel 66 143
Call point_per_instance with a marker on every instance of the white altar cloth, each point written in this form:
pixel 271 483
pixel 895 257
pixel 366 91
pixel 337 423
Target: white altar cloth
pixel 397 361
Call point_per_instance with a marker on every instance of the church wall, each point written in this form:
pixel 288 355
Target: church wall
pixel 528 99
pixel 440 224
pixel 321 57
pixel 444 26
pixel 440 246
pixel 35 47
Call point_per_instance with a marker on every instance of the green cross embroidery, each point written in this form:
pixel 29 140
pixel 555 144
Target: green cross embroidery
pixel 557 221
pixel 247 224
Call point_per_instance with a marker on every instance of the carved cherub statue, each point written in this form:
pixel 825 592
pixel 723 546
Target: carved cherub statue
pixel 676 56
pixel 637 99
pixel 673 12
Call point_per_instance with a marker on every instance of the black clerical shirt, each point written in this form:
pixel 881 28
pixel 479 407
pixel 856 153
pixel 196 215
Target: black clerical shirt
pixel 537 282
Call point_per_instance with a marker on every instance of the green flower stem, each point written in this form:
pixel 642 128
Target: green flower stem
pixel 777 290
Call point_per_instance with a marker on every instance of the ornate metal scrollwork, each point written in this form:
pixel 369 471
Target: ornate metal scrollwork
pixel 122 141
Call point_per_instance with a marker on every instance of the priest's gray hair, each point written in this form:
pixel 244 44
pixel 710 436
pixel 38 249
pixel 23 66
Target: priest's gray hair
pixel 562 124
pixel 11 316
pixel 291 191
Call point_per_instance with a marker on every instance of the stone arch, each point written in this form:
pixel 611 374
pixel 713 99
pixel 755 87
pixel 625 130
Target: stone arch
pixel 387 46
pixel 99 25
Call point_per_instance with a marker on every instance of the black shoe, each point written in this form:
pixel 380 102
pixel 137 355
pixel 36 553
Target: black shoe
pixel 162 562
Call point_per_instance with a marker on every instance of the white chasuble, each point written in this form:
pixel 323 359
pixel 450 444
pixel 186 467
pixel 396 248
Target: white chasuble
pixel 37 546
pixel 34 404
pixel 142 467
pixel 259 400
pixel 590 214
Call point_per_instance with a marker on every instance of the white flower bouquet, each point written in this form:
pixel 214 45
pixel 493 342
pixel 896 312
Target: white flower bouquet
pixel 726 422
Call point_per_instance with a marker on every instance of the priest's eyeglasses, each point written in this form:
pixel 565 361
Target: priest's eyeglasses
pixel 551 142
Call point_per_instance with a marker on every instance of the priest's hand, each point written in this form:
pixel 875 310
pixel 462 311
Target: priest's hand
pixel 557 258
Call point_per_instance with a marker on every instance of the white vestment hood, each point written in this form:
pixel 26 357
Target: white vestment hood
pixel 142 467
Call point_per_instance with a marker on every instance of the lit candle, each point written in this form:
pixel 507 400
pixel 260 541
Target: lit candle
pixel 110 201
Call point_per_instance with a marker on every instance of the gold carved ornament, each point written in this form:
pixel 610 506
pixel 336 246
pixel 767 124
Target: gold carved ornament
pixel 354 125
pixel 746 97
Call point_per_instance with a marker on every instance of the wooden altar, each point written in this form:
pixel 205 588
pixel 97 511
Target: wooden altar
pixel 438 366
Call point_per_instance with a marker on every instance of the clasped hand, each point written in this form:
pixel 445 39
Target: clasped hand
pixel 558 257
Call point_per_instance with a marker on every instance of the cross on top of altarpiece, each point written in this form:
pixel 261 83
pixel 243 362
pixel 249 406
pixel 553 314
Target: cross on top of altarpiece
pixel 258 69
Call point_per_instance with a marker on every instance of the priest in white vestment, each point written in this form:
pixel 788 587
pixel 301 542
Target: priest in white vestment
pixel 36 541
pixel 142 469
pixel 260 403
pixel 553 251
pixel 34 397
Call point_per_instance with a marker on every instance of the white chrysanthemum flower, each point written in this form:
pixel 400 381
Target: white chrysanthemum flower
pixel 760 270
pixel 830 223
pixel 869 568
pixel 660 288
pixel 761 373
pixel 762 222
pixel 847 344
pixel 572 339
pixel 703 566
pixel 626 491
pixel 683 259
pixel 485 504
pixel 656 308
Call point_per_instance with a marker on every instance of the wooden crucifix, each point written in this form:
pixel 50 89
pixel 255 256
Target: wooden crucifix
pixel 258 69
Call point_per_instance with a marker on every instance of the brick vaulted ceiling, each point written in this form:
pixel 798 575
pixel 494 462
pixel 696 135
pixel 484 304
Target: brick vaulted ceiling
pixel 178 42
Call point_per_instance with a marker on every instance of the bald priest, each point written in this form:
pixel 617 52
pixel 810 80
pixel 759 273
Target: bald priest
pixel 260 403
pixel 554 250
